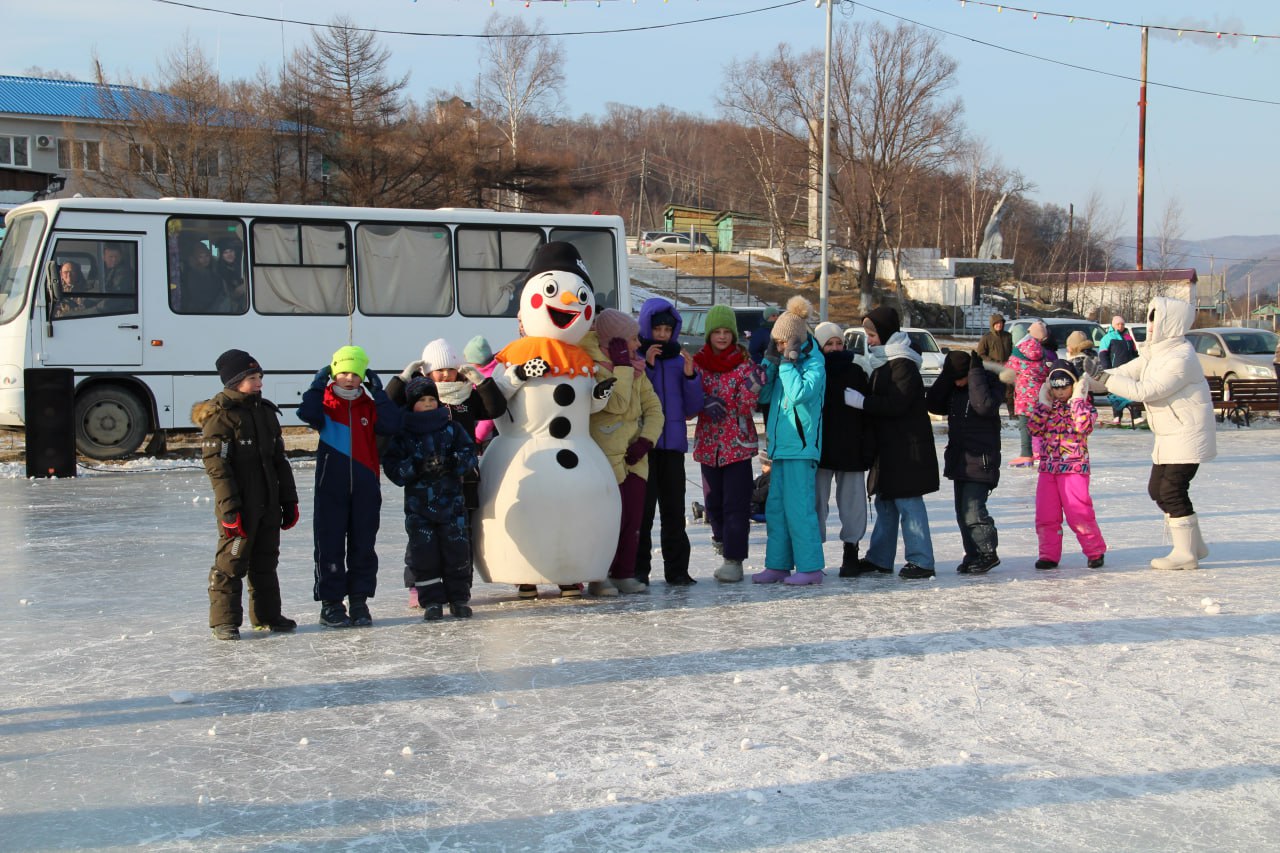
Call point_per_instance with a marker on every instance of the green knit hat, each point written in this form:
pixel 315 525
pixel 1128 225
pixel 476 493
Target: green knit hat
pixel 349 360
pixel 721 317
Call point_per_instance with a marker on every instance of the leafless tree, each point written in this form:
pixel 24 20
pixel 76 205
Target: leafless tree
pixel 520 79
pixel 1170 245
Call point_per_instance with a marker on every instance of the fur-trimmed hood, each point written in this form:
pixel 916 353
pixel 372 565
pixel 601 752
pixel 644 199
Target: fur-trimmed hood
pixel 206 409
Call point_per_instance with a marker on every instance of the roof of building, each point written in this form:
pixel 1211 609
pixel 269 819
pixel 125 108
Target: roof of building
pixel 37 96
pixel 1119 276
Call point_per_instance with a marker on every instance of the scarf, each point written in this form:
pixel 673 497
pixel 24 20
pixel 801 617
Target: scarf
pixel 565 359
pixel 454 393
pixel 421 423
pixel 899 346
pixel 670 349
pixel 347 394
pixel 719 362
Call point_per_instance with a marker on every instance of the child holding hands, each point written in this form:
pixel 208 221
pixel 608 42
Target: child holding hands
pixel 1062 418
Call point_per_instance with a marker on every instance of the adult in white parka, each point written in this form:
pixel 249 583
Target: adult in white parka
pixel 1166 378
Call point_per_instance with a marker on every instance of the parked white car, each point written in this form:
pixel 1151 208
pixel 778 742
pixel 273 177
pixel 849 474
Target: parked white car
pixel 922 341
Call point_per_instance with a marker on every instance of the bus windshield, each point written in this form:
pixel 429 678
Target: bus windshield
pixel 17 256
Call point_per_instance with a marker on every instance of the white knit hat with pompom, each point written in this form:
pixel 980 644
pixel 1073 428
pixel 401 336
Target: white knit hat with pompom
pixel 438 355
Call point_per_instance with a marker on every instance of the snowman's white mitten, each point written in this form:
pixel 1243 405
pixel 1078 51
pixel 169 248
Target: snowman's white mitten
pixel 603 389
pixel 531 369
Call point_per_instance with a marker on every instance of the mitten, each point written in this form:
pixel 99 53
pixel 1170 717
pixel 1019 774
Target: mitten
pixel 619 352
pixel 854 398
pixel 714 408
pixel 1081 389
pixel 372 381
pixel 755 378
pixel 431 466
pixel 231 525
pixel 792 352
pixel 321 378
pixel 976 362
pixel 1008 376
pixel 409 371
pixel 288 516
pixel 771 353
pixel 471 374
pixel 531 369
pixel 638 450
pixel 1044 394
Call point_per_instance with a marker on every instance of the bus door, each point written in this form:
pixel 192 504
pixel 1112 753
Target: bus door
pixel 89 312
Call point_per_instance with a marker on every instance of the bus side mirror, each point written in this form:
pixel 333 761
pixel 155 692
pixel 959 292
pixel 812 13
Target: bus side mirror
pixel 50 296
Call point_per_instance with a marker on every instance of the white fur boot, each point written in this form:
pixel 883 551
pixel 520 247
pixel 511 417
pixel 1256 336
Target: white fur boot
pixel 1185 533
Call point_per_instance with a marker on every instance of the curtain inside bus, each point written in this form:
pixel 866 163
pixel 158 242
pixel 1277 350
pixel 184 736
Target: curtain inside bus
pixel 404 269
pixel 300 268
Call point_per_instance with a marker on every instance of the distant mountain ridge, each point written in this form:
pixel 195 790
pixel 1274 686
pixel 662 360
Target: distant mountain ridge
pixel 1242 257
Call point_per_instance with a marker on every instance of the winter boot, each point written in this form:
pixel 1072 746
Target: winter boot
pixel 730 571
pixel 334 615
pixel 681 580
pixel 912 572
pixel 1046 564
pixel 1098 561
pixel 279 625
pixel 850 565
pixel 770 576
pixel 698 511
pixel 803 578
pixel 360 615
pixel 226 632
pixel 460 609
pixel 629 586
pixel 527 590
pixel 981 564
pixel 432 613
pixel 604 589
pixel 1202 550
pixel 1183 556
pixel 570 590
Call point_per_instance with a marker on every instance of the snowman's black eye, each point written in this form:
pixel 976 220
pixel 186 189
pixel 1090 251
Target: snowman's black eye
pixel 582 295
pixel 550 288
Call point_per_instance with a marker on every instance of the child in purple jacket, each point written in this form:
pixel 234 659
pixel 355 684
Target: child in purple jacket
pixel 678 384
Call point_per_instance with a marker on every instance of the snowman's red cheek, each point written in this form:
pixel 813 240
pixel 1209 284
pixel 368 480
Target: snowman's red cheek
pixel 586 312
pixel 536 300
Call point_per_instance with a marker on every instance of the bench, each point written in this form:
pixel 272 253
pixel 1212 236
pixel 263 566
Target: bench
pixel 1239 399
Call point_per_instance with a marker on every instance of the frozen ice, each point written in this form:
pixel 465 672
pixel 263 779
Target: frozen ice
pixel 1076 709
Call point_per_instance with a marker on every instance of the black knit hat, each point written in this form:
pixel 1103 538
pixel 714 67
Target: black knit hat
pixel 559 256
pixel 236 365
pixel 1062 374
pixel 419 387
pixel 886 321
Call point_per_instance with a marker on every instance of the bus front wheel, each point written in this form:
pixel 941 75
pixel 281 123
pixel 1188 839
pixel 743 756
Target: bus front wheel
pixel 111 422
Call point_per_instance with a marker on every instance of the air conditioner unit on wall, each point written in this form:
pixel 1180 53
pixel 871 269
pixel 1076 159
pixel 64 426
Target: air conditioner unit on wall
pixel 44 141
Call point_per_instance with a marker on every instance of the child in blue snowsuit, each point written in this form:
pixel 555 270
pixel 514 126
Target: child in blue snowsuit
pixel 429 458
pixel 347 406
pixel 794 387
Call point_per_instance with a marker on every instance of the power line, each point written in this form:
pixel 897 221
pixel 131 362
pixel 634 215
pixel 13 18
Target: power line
pixel 300 23
pixel 1068 64
pixel 1036 13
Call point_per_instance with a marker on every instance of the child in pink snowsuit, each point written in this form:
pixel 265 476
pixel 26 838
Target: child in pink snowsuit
pixel 1062 418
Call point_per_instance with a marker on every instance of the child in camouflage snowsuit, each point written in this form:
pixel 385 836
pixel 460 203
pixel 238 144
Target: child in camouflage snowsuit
pixel 254 493
pixel 429 458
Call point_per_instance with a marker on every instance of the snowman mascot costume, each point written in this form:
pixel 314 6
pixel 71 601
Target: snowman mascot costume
pixel 549 505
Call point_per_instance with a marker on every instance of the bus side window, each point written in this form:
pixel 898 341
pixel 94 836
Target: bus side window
pixel 492 264
pixel 95 278
pixel 206 266
pixel 300 268
pixel 404 270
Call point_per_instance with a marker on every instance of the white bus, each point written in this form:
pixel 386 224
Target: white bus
pixel 139 297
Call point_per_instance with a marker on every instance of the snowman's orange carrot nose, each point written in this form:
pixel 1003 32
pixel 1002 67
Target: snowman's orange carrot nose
pixel 568 297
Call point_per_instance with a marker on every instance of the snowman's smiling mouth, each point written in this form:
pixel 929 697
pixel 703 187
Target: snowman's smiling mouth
pixel 562 319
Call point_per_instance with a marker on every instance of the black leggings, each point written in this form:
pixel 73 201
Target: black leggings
pixel 1169 487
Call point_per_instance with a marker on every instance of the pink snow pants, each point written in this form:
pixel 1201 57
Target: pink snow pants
pixel 1066 494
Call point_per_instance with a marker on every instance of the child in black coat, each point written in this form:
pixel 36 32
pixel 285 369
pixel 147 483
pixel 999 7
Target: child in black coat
pixel 429 459
pixel 970 396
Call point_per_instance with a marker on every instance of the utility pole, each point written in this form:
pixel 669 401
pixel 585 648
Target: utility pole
pixel 644 161
pixel 1142 143
pixel 824 286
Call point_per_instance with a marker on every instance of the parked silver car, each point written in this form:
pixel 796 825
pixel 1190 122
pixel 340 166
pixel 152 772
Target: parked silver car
pixel 1235 353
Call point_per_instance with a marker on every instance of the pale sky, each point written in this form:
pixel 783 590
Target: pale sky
pixel 1070 131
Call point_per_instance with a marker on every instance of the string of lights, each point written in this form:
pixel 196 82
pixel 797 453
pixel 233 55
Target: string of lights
pixel 1071 19
pixel 419 34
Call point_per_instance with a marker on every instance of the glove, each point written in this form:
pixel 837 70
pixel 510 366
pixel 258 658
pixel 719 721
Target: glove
pixel 372 381
pixel 410 369
pixel 1093 367
pixel 714 408
pixel 469 372
pixel 232 527
pixel 321 378
pixel 854 398
pixel 604 388
pixel 431 466
pixel 792 352
pixel 1044 394
pixel 771 353
pixel 1099 382
pixel 638 450
pixel 288 516
pixel 619 352
pixel 755 378
pixel 531 369
pixel 975 361
pixel 1081 389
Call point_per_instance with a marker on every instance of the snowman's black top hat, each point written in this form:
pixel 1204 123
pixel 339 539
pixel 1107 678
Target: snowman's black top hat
pixel 559 256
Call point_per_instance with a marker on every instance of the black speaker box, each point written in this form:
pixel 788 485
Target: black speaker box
pixel 50 414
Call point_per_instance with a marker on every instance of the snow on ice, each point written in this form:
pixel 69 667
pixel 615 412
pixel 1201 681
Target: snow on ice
pixel 1121 709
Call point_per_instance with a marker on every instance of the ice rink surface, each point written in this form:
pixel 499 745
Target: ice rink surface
pixel 1076 710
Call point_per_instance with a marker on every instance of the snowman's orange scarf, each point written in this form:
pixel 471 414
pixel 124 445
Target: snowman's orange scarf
pixel 563 358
